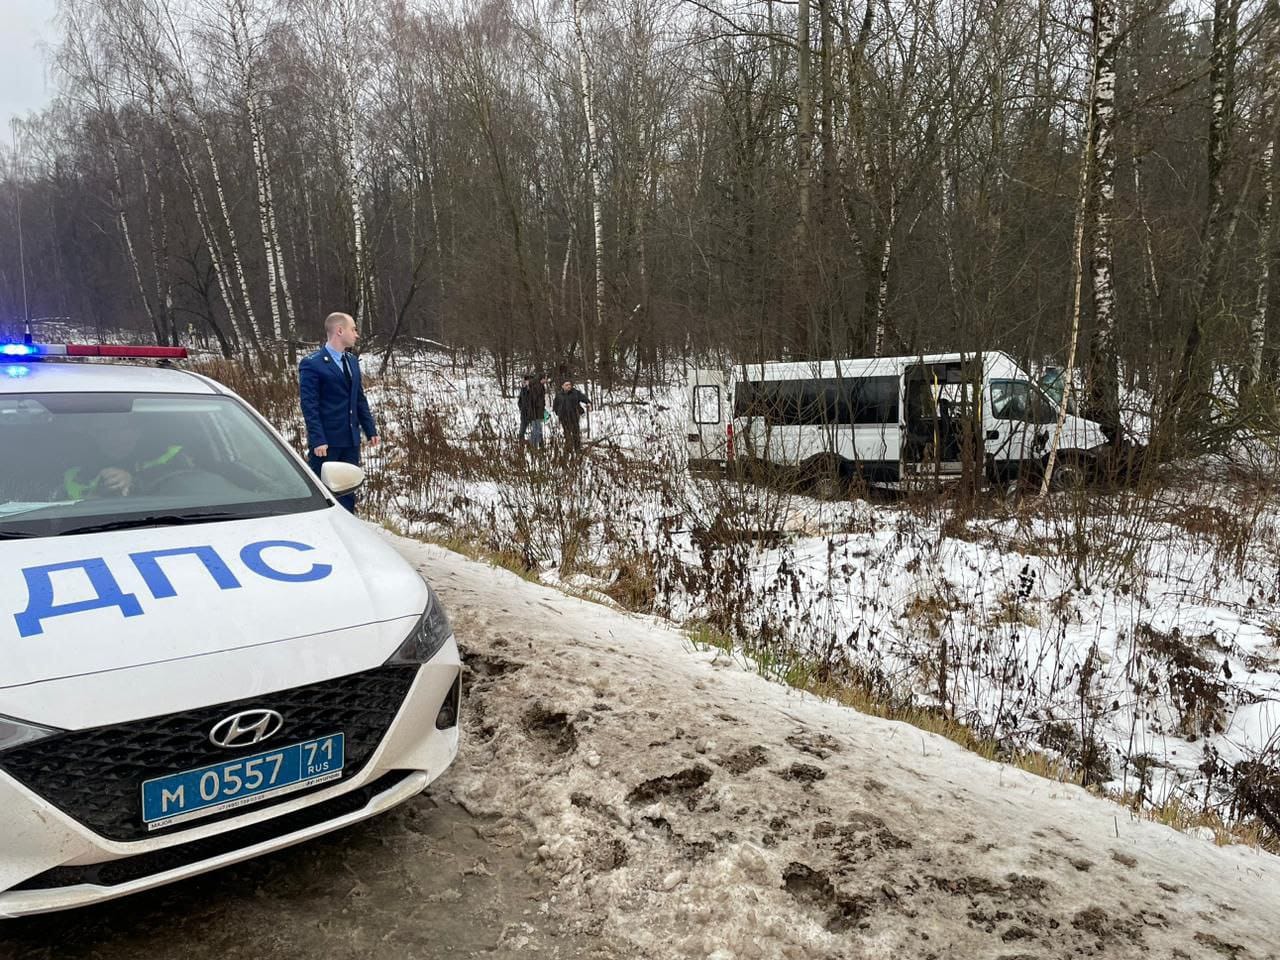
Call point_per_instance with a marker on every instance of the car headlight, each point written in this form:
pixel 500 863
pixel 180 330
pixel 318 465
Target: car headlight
pixel 427 636
pixel 15 733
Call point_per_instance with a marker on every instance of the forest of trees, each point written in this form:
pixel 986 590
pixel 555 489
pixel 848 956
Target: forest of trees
pixel 608 184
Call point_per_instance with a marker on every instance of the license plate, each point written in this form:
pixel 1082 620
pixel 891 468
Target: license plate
pixel 237 783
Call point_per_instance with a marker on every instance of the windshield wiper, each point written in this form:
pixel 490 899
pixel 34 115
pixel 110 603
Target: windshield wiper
pixel 15 535
pixel 159 520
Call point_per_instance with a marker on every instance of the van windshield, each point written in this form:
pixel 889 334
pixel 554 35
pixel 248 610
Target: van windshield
pixel 95 460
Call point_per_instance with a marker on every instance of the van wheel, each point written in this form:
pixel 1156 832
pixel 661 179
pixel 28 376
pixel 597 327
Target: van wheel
pixel 830 488
pixel 1069 475
pixel 826 480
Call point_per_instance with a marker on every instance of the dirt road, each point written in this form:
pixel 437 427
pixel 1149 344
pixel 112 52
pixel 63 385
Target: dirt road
pixel 621 795
pixel 423 882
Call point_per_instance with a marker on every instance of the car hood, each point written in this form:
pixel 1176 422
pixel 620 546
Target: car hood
pixel 84 605
pixel 1081 434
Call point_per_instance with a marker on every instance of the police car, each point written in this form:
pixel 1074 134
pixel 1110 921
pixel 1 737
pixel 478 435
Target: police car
pixel 202 657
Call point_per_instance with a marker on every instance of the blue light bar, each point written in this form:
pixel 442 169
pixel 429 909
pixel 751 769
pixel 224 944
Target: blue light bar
pixel 19 349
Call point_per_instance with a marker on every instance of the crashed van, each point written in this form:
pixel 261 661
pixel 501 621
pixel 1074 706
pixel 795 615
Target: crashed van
pixel 886 419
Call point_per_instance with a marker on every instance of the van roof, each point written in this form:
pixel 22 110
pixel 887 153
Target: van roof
pixel 994 361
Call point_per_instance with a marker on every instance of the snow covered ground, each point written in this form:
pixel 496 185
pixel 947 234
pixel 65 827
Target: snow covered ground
pixel 1135 635
pixel 682 806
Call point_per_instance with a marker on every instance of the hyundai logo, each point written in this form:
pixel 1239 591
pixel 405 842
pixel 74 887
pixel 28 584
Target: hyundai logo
pixel 246 728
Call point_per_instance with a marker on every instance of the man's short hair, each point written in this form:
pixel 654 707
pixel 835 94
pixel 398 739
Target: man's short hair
pixel 334 322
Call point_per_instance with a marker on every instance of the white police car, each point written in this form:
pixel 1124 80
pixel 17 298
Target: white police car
pixel 202 656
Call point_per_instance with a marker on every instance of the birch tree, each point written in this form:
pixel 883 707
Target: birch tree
pixel 336 41
pixel 137 26
pixel 240 22
pixel 1260 320
pixel 1104 375
pixel 593 161
pixel 178 79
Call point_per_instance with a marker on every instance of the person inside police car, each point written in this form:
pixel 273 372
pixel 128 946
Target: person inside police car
pixel 120 465
pixel 333 402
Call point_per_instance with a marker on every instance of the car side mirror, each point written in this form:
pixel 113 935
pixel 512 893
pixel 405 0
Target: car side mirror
pixel 340 477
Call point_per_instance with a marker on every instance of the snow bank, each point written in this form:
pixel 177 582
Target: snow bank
pixel 685 807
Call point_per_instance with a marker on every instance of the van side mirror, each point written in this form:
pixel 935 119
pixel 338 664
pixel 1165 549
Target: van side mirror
pixel 341 478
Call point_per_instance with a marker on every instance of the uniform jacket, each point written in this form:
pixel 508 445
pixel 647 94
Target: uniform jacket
pixel 335 414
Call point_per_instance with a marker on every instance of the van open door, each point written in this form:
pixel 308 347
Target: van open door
pixel 708 427
pixel 938 420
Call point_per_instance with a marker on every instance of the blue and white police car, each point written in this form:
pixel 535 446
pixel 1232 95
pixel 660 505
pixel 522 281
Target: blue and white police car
pixel 202 657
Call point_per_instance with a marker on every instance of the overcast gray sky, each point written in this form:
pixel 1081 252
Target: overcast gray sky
pixel 24 83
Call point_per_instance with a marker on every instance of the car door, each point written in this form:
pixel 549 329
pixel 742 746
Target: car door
pixel 706 423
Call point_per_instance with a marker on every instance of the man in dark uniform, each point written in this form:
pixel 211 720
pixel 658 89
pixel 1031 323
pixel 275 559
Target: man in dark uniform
pixel 333 401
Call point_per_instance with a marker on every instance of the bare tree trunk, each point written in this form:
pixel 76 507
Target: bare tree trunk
pixel 123 222
pixel 597 186
pixel 1266 204
pixel 946 195
pixel 212 243
pixel 284 321
pixel 858 155
pixel 435 237
pixel 238 27
pixel 804 115
pixel 828 124
pixel 1187 397
pixel 1104 379
pixel 159 256
pixel 1150 287
pixel 312 255
pixel 802 338
pixel 1259 321
pixel 1082 210
pixel 882 278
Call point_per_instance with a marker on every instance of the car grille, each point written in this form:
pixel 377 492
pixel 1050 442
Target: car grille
pixel 96 775
pixel 116 872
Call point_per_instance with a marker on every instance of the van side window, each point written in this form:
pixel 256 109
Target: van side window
pixel 819 402
pixel 877 400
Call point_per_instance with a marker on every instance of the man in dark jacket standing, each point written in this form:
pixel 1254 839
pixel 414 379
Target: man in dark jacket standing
pixel 569 405
pixel 533 407
pixel 333 401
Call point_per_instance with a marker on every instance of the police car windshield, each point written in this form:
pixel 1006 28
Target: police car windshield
pixel 80 461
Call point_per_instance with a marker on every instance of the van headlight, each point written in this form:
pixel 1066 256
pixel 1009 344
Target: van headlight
pixel 15 733
pixel 428 635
